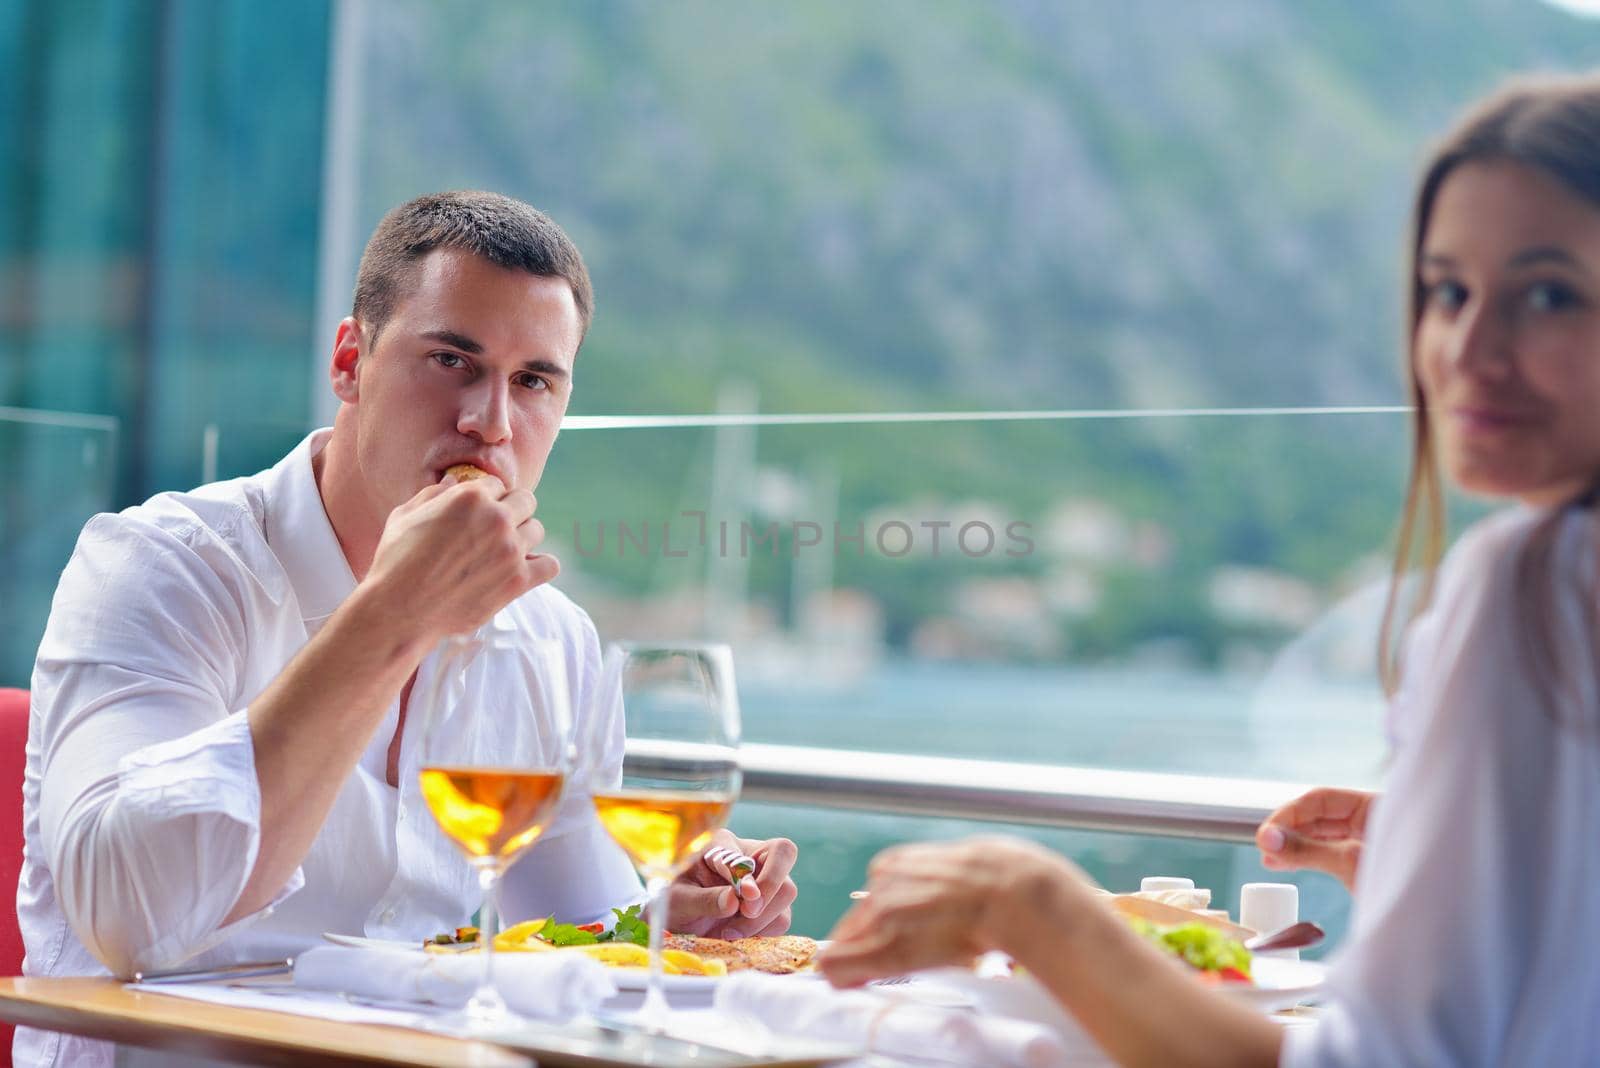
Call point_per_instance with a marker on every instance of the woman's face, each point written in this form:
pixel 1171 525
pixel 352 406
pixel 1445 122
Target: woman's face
pixel 1507 348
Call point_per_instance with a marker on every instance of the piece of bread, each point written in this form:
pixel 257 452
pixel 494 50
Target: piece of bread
pixel 1191 899
pixel 466 472
pixel 1171 916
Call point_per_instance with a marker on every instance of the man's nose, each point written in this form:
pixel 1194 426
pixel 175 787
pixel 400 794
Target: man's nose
pixel 485 412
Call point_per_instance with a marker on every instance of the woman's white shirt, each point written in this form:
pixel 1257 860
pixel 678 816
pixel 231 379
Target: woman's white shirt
pixel 1477 907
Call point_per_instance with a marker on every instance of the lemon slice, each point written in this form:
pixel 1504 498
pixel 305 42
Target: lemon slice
pixel 682 962
pixel 616 954
pixel 518 933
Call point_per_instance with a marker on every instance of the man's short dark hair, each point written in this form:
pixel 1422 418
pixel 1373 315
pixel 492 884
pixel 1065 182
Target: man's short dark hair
pixel 506 232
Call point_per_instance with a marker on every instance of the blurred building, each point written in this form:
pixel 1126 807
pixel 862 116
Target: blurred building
pixel 160 198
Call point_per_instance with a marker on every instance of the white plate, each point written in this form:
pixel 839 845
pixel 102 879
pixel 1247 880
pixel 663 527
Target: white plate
pixel 362 942
pixel 1279 983
pixel 637 978
pixel 625 978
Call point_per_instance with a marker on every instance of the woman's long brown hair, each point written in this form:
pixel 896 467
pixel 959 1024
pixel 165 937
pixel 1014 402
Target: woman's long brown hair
pixel 1551 125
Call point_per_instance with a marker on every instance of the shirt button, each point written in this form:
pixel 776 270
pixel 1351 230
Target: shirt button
pixel 388 916
pixel 402 813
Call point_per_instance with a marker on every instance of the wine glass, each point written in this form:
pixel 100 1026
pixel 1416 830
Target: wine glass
pixel 665 734
pixel 491 802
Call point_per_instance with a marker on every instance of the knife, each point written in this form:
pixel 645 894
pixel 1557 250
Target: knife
pixel 248 970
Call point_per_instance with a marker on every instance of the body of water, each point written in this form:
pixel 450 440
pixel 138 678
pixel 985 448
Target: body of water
pixel 1164 721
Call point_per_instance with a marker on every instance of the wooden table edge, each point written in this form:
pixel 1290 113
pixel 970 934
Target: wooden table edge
pixel 105 1009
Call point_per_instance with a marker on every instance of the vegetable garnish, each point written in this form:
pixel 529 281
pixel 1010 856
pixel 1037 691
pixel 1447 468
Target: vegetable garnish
pixel 629 927
pixel 464 936
pixel 571 934
pixel 1203 947
pixel 624 946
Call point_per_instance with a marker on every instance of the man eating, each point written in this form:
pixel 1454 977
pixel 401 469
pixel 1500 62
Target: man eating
pixel 222 758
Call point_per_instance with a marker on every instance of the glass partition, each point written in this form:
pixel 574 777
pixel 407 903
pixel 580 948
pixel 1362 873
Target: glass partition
pixel 1192 594
pixel 836 846
pixel 1182 593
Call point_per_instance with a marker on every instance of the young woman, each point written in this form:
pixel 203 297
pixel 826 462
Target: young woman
pixel 1477 905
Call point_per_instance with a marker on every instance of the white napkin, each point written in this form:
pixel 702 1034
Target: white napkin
pixel 888 1025
pixel 548 986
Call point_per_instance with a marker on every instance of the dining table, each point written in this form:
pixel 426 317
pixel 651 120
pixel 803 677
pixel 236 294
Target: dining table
pixel 108 1009
pixel 271 1020
pixel 165 1019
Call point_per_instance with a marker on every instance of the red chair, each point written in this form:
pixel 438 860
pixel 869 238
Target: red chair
pixel 13 756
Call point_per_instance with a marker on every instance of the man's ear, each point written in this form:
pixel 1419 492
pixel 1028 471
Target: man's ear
pixel 347 353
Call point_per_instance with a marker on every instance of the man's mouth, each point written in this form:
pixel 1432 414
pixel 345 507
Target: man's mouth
pixel 467 470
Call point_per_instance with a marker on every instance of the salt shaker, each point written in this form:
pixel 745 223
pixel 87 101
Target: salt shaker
pixel 1268 907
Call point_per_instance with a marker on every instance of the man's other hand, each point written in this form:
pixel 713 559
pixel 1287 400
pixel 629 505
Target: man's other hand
pixel 705 901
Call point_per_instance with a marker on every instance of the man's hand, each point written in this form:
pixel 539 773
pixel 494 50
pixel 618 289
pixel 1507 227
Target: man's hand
pixel 458 552
pixel 1322 829
pixel 704 901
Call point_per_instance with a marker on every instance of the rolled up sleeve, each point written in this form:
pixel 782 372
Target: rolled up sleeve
pixel 148 863
pixel 149 805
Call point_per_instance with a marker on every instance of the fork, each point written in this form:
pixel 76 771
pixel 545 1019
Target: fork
pixel 732 864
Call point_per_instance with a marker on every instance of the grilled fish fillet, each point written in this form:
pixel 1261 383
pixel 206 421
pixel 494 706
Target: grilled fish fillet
pixel 774 954
pixel 710 948
pixel 779 954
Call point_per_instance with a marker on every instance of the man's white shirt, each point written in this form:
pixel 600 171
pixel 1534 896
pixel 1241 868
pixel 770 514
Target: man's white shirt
pixel 141 807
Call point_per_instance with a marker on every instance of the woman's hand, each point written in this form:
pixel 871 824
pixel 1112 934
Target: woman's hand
pixel 1321 829
pixel 944 903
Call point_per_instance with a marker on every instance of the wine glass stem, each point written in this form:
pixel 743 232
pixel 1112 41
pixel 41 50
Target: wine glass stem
pixel 487 1002
pixel 653 1013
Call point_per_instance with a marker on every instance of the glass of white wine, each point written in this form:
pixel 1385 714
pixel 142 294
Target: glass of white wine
pixel 495 804
pixel 666 734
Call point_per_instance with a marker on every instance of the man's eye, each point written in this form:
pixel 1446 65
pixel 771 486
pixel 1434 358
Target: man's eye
pixel 449 359
pixel 532 382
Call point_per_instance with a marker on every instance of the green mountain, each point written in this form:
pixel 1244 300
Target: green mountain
pixel 898 206
pixel 955 205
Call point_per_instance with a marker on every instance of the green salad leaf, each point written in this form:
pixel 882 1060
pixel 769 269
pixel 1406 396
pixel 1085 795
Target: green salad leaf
pixel 1202 945
pixel 630 927
pixel 567 934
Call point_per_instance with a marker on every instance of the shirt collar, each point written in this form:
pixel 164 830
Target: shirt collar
pixel 301 535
